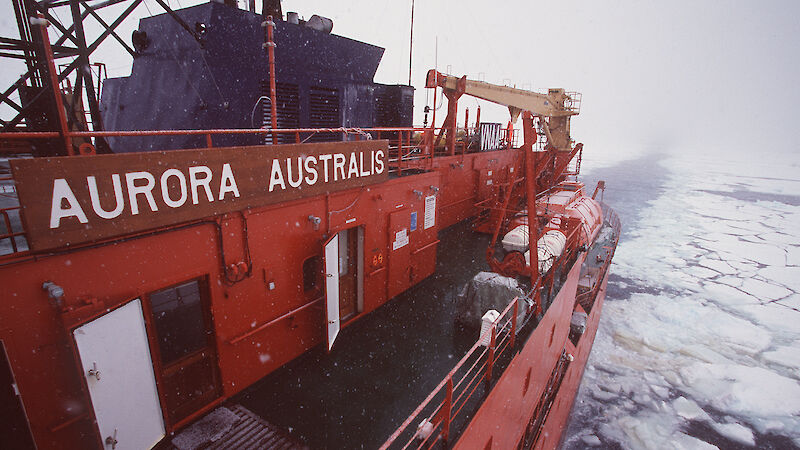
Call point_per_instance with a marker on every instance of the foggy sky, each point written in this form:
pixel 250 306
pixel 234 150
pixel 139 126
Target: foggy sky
pixel 711 76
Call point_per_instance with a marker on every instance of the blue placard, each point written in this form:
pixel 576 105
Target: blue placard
pixel 413 221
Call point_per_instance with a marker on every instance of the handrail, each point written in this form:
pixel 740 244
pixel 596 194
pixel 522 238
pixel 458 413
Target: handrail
pixel 266 325
pixel 193 132
pixel 435 426
pixel 407 150
pixel 9 233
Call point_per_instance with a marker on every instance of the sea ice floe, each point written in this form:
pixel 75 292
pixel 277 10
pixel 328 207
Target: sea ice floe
pixel 689 410
pixel 745 268
pixel 722 294
pixel 763 290
pixel 744 391
pixel 682 441
pixel 591 440
pixel 788 356
pixel 718 266
pixel 735 432
pixel 711 325
pixel 651 431
pixel 703 353
pixel 788 277
pixel 763 254
pixel 664 324
pixel 792 301
pixel 772 316
pixel 780 237
pixel 701 272
pixel 792 255
pixel 733 281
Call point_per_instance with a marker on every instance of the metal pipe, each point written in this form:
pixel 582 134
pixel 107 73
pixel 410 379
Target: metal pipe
pixel 411 43
pixel 272 96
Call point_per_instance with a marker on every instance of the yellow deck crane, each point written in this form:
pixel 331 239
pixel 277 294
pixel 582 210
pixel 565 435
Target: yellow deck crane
pixel 554 108
pixel 542 169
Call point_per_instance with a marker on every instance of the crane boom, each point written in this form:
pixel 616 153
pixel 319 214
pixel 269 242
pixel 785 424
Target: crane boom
pixel 556 103
pixel 554 109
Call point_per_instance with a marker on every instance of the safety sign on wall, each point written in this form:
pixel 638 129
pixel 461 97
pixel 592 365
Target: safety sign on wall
pixel 430 211
pixel 400 239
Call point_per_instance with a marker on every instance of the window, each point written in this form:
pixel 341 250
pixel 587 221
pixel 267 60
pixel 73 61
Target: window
pixel 179 321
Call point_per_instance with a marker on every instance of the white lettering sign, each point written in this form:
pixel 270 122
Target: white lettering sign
pixel 400 239
pixel 430 211
pixel 306 170
pixel 139 187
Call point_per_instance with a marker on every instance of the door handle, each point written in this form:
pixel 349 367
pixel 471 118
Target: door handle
pixel 93 372
pixel 112 440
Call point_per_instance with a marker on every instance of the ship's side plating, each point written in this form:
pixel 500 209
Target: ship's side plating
pixel 529 405
pixel 515 387
pixel 224 300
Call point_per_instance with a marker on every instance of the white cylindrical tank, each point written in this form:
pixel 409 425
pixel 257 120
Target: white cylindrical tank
pixel 590 213
pixel 516 240
pixel 549 247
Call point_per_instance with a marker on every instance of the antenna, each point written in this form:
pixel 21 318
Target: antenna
pixel 411 43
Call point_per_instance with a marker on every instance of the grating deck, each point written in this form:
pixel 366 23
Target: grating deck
pixel 247 431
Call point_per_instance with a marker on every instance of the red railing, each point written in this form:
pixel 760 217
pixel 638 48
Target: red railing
pixel 8 235
pixel 409 148
pixel 406 149
pixel 435 419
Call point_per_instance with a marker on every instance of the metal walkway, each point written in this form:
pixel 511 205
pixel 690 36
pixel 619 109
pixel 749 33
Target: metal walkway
pixel 245 430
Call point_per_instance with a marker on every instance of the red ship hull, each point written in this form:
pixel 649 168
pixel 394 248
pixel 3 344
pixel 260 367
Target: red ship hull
pixel 503 420
pixel 254 325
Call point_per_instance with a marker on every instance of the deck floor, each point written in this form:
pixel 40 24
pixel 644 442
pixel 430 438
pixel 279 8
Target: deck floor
pixel 382 366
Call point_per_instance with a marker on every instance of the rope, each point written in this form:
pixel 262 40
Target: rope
pixel 253 112
pixel 211 74
pixel 339 211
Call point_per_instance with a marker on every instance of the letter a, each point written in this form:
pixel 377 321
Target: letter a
pixel 227 183
pixel 61 192
pixel 277 176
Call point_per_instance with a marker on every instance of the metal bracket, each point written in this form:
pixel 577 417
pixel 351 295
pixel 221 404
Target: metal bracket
pixel 93 372
pixel 112 440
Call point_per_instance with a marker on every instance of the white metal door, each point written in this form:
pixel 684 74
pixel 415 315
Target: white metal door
pixel 119 373
pixel 332 289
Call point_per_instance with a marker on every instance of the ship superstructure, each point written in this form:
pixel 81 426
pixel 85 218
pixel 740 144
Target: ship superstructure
pixel 170 252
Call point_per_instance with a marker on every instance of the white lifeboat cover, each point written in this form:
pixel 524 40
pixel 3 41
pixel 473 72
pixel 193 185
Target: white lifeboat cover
pixel 549 248
pixel 516 240
pixel 590 214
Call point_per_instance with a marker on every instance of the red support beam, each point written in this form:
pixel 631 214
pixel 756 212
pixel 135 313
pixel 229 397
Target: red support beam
pixel 531 172
pixel 51 70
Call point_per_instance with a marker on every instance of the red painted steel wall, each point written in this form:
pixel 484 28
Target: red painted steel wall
pixel 553 428
pixel 49 380
pixel 505 413
pixel 281 238
pixel 462 177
